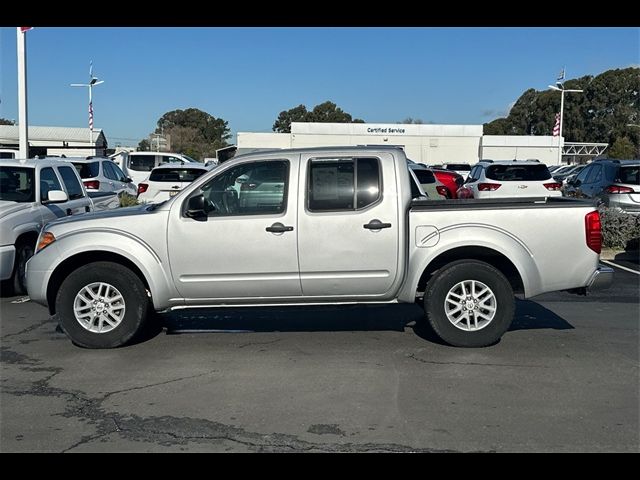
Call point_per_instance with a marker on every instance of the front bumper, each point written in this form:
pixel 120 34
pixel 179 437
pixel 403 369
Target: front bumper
pixel 7 257
pixel 601 279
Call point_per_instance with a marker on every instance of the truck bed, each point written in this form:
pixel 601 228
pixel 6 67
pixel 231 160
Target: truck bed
pixel 493 203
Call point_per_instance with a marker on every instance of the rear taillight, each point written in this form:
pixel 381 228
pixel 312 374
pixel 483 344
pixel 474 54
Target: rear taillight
pixel 593 231
pixel 554 187
pixel 489 187
pixel 93 184
pixel 618 189
pixel 142 187
pixel 444 191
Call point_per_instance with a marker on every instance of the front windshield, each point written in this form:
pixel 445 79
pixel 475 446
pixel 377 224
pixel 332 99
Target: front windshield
pixel 189 159
pixel 17 184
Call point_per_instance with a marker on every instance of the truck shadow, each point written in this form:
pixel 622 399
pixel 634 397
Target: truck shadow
pixel 528 315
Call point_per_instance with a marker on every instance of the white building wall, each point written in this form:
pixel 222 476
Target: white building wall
pixel 263 140
pixel 520 147
pixel 428 144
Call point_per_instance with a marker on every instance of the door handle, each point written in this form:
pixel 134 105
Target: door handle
pixel 376 224
pixel 279 228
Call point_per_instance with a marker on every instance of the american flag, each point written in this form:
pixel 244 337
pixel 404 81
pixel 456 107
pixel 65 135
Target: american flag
pixel 556 127
pixel 91 116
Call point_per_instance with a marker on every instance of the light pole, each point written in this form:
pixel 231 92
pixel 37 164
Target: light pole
pixel 93 81
pixel 562 91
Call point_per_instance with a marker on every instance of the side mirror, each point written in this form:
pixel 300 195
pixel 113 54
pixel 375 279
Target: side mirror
pixel 198 208
pixel 57 196
pixel 126 179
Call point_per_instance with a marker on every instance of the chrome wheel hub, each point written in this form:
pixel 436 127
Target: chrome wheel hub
pixel 470 305
pixel 99 307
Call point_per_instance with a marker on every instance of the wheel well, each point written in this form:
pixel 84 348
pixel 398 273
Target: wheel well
pixel 27 237
pixel 483 254
pixel 72 263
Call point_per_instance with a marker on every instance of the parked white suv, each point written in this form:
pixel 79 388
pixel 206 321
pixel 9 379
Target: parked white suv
pixel 101 174
pixel 512 178
pixel 137 165
pixel 166 181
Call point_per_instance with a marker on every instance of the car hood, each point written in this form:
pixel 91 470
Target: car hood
pixel 106 218
pixel 8 208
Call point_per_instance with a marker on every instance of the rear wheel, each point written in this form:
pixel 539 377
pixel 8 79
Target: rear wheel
pixel 102 305
pixel 469 303
pixel 24 251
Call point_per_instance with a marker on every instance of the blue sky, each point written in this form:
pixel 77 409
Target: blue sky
pixel 247 76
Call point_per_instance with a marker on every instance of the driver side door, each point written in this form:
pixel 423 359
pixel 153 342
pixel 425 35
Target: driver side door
pixel 247 245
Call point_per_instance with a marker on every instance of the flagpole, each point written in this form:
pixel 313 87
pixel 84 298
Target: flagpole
pixel 560 135
pixel 22 93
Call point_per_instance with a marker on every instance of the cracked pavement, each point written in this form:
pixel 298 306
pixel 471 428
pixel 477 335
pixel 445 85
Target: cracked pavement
pixel 326 379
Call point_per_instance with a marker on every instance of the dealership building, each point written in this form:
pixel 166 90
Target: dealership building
pixel 428 144
pixel 56 141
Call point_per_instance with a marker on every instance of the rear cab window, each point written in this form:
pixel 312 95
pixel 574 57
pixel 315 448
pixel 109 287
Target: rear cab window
pixel 343 184
pixel 518 173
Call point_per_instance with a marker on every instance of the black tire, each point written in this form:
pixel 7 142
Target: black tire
pixel 24 251
pixel 132 290
pixel 445 280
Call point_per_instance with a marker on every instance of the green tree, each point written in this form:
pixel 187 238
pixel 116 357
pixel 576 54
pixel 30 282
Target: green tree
pixel 327 112
pixel 296 114
pixel 415 121
pixel 622 149
pixel 603 113
pixel 4 121
pixel 144 145
pixel 194 132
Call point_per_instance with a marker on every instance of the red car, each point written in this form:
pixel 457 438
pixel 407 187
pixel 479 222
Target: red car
pixel 452 180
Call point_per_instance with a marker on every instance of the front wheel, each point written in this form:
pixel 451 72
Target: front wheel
pixel 102 305
pixel 469 303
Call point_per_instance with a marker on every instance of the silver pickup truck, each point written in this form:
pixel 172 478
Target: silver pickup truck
pixel 32 193
pixel 317 226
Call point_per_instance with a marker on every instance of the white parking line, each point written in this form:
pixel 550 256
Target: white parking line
pixel 620 266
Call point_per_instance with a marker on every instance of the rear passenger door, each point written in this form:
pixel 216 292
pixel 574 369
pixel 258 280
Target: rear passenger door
pixel 78 201
pixel 348 226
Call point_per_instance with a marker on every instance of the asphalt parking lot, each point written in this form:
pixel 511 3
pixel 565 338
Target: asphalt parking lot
pixel 353 379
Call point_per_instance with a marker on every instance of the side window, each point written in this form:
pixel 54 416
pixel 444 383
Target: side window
pixel 583 174
pixel 595 175
pixel 70 180
pixel 474 174
pixel 117 171
pixel 108 171
pixel 142 163
pixel 48 181
pixel 256 188
pixel 343 184
pixel 169 159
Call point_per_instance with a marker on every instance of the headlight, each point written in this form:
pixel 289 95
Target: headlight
pixel 45 240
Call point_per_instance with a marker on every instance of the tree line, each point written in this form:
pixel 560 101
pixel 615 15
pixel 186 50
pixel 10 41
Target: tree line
pixel 608 111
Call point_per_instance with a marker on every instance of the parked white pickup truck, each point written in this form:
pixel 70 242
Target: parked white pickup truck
pixel 337 225
pixel 32 193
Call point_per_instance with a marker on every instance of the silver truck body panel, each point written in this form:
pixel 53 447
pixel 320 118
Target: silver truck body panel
pixel 327 257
